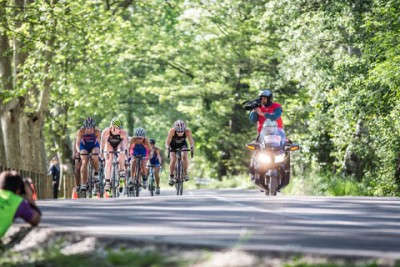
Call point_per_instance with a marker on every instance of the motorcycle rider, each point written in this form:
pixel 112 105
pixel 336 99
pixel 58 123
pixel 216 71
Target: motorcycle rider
pixel 272 111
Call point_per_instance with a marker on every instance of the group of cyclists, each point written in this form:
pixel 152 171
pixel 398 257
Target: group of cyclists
pixel 101 145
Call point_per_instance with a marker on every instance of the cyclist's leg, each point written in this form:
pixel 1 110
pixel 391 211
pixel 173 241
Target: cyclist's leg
pixel 185 159
pixel 133 167
pixel 121 162
pixel 108 158
pixel 84 169
pixel 172 168
pixel 156 171
pixel 95 159
pixel 77 170
pixel 143 171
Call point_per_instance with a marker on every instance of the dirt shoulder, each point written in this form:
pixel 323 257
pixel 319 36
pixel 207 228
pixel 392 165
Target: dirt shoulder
pixel 26 246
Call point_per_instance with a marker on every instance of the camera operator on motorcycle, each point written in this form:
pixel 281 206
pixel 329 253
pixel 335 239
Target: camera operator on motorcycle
pixel 265 109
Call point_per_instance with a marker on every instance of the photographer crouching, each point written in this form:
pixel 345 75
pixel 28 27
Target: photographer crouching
pixel 16 201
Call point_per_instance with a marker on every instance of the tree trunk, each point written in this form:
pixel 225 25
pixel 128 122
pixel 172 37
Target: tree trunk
pixel 2 151
pixel 10 126
pixel 33 156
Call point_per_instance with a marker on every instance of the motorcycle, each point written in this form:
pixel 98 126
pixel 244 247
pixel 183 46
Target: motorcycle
pixel 271 159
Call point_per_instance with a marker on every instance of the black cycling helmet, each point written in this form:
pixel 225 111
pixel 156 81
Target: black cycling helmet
pixel 152 141
pixel 89 123
pixel 266 93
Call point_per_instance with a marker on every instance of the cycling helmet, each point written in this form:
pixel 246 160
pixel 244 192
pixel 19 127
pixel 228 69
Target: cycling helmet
pixel 116 122
pixel 140 132
pixel 89 123
pixel 179 126
pixel 152 141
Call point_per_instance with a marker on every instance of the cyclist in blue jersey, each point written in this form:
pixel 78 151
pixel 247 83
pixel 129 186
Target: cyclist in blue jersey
pixel 155 160
pixel 16 201
pixel 139 145
pixel 87 141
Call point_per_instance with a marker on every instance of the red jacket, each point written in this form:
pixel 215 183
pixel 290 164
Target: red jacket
pixel 275 108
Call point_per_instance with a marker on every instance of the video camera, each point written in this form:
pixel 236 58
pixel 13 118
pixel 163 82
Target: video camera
pixel 252 104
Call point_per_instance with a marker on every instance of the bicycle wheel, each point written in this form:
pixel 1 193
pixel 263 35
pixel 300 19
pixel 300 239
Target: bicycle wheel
pixel 113 181
pixel 178 182
pixel 90 179
pixel 137 175
pixel 181 180
pixel 151 182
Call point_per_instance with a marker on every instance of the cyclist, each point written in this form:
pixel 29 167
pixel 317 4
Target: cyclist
pixel 177 139
pixel 114 138
pixel 155 160
pixel 16 201
pixel 139 145
pixel 87 141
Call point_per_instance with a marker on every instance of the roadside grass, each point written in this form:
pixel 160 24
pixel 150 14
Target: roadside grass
pixel 71 250
pixel 49 257
pixel 322 184
pixel 124 258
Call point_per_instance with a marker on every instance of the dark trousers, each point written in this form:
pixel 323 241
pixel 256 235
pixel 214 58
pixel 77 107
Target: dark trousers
pixel 55 188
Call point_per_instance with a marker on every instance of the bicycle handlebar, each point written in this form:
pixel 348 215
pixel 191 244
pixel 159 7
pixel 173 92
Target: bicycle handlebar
pixel 90 154
pixel 183 149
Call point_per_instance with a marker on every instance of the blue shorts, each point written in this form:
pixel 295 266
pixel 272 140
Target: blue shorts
pixel 155 161
pixel 88 147
pixel 139 150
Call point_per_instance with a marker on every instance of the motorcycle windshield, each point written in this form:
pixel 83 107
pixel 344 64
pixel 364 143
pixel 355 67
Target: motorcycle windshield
pixel 272 140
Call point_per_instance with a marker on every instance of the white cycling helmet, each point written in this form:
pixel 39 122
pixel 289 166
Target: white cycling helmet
pixel 179 126
pixel 140 132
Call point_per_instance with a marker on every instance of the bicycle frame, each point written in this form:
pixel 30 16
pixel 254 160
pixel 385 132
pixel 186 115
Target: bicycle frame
pixel 136 177
pixel 151 179
pixel 90 173
pixel 114 173
pixel 179 179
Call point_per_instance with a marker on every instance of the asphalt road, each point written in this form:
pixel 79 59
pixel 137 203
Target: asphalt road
pixel 345 226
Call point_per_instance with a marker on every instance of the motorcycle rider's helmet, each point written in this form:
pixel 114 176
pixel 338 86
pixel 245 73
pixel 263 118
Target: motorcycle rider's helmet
pixel 179 126
pixel 116 122
pixel 89 123
pixel 268 94
pixel 140 132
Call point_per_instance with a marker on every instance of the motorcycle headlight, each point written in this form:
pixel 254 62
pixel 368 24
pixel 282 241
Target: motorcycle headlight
pixel 280 158
pixel 264 158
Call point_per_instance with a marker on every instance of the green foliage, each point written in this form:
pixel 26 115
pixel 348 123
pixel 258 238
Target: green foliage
pixel 330 64
pixel 326 184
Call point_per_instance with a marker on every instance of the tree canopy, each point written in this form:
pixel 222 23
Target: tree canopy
pixel 333 65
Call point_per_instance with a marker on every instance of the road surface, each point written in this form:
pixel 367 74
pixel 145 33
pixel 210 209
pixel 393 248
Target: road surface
pixel 246 219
